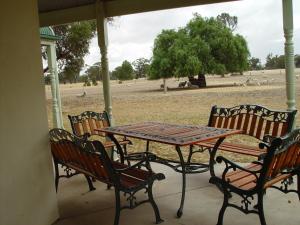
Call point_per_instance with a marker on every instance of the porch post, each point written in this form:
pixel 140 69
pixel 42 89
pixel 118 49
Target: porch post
pixel 56 101
pixel 103 43
pixel 287 6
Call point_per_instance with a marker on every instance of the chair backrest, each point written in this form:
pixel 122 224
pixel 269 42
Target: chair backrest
pixel 84 156
pixel 256 121
pixel 283 156
pixel 87 122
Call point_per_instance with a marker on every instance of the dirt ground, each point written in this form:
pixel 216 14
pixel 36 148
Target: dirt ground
pixel 143 100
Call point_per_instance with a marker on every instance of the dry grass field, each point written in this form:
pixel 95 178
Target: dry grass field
pixel 143 100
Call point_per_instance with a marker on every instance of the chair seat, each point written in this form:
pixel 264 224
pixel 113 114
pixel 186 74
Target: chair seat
pixel 246 181
pixel 134 177
pixel 235 148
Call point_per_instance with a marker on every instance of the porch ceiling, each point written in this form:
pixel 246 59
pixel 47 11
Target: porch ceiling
pixel 54 12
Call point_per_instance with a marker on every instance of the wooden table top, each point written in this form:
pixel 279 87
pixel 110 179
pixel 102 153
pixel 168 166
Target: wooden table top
pixel 172 134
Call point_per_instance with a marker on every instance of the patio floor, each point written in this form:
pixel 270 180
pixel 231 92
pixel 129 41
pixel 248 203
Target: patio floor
pixel 202 204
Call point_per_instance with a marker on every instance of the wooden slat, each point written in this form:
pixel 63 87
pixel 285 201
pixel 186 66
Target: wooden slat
pixel 85 126
pixel 284 129
pixel 213 121
pixel 275 129
pixel 260 128
pixel 220 121
pixel 253 126
pixel 240 121
pixel 232 122
pixel 268 128
pixel 226 122
pixel 246 123
pixel 78 129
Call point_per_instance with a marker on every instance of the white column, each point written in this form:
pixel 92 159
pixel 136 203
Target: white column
pixel 287 6
pixel 103 43
pixel 56 101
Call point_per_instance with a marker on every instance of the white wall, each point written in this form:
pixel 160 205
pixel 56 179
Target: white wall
pixel 27 195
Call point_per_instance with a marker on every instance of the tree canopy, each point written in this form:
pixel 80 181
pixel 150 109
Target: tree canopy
pixel 275 62
pixel 124 72
pixel 141 67
pixel 73 46
pixel 255 64
pixel 204 45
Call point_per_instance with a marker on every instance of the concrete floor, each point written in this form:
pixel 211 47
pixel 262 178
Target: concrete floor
pixel 203 201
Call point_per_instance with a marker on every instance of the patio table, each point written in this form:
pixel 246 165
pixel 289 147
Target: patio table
pixel 175 135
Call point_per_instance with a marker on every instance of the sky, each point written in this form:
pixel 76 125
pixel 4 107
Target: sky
pixel 259 21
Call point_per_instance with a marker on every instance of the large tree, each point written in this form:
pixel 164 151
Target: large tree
pixel 93 73
pixel 275 62
pixel 141 67
pixel 72 47
pixel 204 45
pixel 255 64
pixel 124 72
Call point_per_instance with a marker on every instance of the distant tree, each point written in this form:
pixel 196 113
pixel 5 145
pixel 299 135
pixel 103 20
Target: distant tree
pixel 229 21
pixel 255 64
pixel 275 62
pixel 93 73
pixel 141 67
pixel 124 72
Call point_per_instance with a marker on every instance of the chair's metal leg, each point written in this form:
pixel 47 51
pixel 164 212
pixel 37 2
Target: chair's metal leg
pixel 224 206
pixel 90 183
pixel 56 175
pixel 182 163
pixel 212 155
pixel 118 207
pixel 260 208
pixel 154 206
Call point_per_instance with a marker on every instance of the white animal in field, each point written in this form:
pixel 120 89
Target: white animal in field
pixel 82 95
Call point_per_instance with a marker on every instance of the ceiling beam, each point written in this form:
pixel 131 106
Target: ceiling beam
pixel 116 8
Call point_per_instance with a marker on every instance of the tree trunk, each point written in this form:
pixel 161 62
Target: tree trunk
pixel 165 85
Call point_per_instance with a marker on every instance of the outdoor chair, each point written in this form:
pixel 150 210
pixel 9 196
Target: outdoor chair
pixel 280 164
pixel 86 123
pixel 80 156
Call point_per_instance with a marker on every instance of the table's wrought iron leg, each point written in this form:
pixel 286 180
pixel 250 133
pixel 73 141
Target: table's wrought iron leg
pixel 212 156
pixel 190 154
pixel 182 163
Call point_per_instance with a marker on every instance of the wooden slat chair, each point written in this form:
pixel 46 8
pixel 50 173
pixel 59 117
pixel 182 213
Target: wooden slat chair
pixel 255 121
pixel 88 121
pixel 280 164
pixel 91 159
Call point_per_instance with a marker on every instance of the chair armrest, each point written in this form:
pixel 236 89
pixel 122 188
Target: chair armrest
pixel 231 165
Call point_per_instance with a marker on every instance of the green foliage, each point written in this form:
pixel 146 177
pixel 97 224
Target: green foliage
pixel 141 67
pixel 275 62
pixel 205 45
pixel 124 72
pixel 255 64
pixel 229 21
pixel 93 73
pixel 72 47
